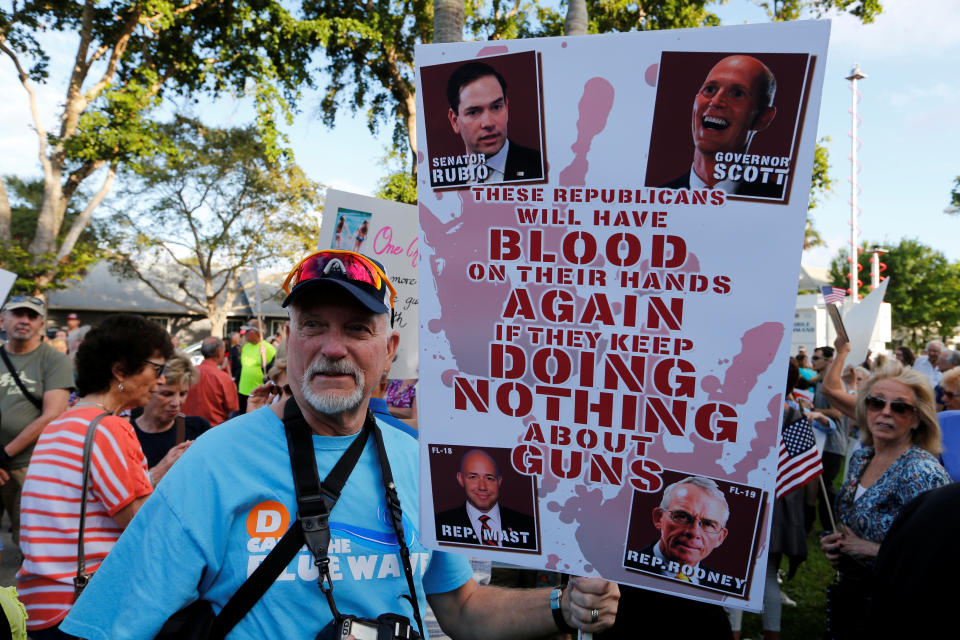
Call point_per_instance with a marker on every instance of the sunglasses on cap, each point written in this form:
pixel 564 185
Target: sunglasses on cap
pixel 898 407
pixel 31 299
pixel 355 267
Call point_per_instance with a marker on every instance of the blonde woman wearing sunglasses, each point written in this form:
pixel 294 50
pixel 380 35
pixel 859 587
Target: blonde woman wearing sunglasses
pixel 897 463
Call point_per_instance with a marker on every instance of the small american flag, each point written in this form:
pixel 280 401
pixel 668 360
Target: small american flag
pixel 799 458
pixel 833 294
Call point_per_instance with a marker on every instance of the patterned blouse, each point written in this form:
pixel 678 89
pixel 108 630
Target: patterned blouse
pixel 398 395
pixel 914 472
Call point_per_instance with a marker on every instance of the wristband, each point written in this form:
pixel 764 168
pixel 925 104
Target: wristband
pixel 555 597
pixel 5 458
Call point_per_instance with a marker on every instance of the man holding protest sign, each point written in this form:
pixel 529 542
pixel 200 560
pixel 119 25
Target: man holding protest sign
pixel 340 340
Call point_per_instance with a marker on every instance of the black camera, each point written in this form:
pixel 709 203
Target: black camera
pixel 388 626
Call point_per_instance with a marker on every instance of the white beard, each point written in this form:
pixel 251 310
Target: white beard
pixel 332 403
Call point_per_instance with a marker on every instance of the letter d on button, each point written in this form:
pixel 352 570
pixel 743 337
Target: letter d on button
pixel 269 518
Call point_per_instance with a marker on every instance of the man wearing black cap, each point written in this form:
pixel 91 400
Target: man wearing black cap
pixel 35 382
pixel 206 542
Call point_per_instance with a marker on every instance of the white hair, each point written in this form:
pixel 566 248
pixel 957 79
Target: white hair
pixel 706 484
pixel 332 404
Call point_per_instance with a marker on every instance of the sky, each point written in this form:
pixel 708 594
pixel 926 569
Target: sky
pixel 907 131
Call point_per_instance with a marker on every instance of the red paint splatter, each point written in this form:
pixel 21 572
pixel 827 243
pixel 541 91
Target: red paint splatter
pixel 758 349
pixel 601 524
pixel 650 75
pixel 765 436
pixel 493 50
pixel 594 107
pixel 447 377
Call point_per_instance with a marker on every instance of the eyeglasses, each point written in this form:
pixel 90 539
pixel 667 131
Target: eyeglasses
pixel 358 268
pixel 949 395
pixel 157 368
pixel 816 358
pixel 897 406
pixel 686 519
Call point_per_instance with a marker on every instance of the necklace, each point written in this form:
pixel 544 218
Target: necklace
pixel 96 404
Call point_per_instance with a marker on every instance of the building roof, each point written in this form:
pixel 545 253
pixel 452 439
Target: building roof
pixel 103 290
pixel 812 278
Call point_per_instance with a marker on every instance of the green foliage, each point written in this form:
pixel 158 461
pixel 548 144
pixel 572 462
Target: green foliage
pixel 954 206
pixel 214 204
pixel 26 196
pixel 923 291
pixel 399 186
pixel 370 51
pixel 780 10
pixel 820 185
pixel 130 57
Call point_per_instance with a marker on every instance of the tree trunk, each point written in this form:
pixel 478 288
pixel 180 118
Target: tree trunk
pixel 576 22
pixel 411 102
pixel 218 320
pixel 448 17
pixel 5 216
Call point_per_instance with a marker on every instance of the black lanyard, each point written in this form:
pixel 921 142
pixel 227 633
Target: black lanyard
pixel 315 499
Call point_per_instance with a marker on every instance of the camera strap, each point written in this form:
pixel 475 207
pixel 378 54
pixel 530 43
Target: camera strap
pixel 315 499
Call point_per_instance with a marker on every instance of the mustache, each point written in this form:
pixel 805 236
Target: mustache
pixel 325 366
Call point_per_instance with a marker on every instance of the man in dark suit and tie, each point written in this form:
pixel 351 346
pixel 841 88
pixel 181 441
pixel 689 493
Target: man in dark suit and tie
pixel 734 103
pixel 692 520
pixel 481 520
pixel 479 111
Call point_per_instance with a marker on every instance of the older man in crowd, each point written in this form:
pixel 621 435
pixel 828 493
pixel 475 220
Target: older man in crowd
pixel 214 397
pixel 34 389
pixel 205 543
pixel 927 362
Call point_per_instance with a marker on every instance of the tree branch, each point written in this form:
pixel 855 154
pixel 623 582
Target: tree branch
pixel 160 294
pixel 34 111
pixel 81 221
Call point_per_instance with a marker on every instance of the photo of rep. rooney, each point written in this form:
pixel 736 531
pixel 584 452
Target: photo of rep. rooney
pixel 728 121
pixel 702 532
pixel 484 121
pixel 470 489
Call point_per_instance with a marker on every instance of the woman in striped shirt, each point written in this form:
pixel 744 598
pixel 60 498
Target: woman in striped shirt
pixel 119 366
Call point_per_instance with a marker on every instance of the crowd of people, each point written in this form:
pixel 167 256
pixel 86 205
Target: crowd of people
pixel 109 428
pixel 880 420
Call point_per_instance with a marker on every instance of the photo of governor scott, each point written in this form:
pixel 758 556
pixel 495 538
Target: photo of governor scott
pixel 479 500
pixel 729 121
pixel 700 531
pixel 484 121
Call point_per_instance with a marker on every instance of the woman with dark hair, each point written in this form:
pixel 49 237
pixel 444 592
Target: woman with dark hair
pixel 905 355
pixel 806 374
pixel 119 366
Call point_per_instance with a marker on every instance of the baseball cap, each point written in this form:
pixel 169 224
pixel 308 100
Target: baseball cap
pixel 26 302
pixel 356 274
pixel 252 325
pixel 72 316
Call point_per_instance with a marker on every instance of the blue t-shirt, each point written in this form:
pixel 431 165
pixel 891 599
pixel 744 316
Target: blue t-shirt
pixel 221 509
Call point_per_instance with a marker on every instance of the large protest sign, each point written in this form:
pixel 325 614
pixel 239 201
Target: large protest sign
pixel 610 228
pixel 387 232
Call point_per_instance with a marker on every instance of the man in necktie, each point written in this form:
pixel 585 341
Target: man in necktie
pixel 692 521
pixel 479 113
pixel 481 519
